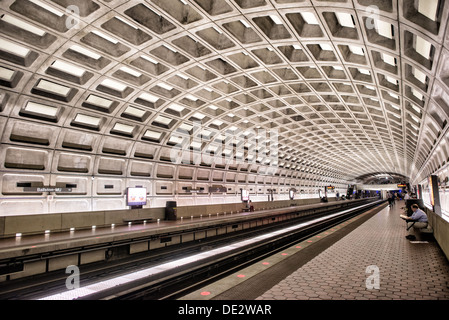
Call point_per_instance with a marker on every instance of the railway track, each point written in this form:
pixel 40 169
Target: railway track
pixel 168 274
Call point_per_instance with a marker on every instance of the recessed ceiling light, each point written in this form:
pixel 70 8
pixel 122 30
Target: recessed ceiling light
pixel 68 68
pixel 139 113
pixel 428 8
pixel 325 47
pixel 15 49
pixel 105 36
pixel 176 107
pixel 85 52
pixel 47 7
pixel 384 28
pixel 153 134
pixel 423 47
pixel 123 128
pixel 148 97
pixel 6 74
pixel 421 76
pixel 357 50
pixel 276 19
pixel 128 23
pixel 309 18
pixel 345 19
pixel 53 87
pixel 149 59
pixel 131 72
pixel 163 120
pixel 190 97
pixel 170 48
pixel 389 59
pixel 41 108
pixel 245 23
pixel 99 101
pixel 115 85
pixel 23 25
pixel 89 120
pixel 165 86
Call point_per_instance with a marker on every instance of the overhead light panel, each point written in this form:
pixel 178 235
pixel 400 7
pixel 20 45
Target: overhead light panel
pixel 428 8
pixel 6 74
pixel 325 47
pixel 87 120
pixel 384 29
pixel 39 108
pixel 421 76
pixel 389 59
pixel 176 107
pixel 149 59
pixel 85 52
pixel 357 50
pixel 128 23
pixel 99 101
pixel 124 128
pixel 152 135
pixel 53 87
pixel 115 85
pixel 246 24
pixel 15 49
pixel 163 120
pixel 276 19
pixel 136 112
pixel 392 80
pixel 68 68
pixel 165 86
pixel 131 72
pixel 47 7
pixel 345 19
pixel 105 36
pixel 148 97
pixel 310 18
pixel 423 47
pixel 23 25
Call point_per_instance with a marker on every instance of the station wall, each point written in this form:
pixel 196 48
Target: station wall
pixel 99 182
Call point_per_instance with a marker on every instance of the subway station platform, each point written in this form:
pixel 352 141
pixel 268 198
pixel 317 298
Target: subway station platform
pixel 364 258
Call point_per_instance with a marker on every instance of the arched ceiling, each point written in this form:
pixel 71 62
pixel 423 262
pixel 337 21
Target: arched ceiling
pixel 338 87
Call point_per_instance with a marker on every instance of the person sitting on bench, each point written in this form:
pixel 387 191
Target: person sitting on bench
pixel 418 220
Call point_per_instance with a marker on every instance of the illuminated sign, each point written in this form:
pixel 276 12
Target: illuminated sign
pixel 245 195
pixel 136 196
pixel 291 193
pixel 402 186
pixel 432 199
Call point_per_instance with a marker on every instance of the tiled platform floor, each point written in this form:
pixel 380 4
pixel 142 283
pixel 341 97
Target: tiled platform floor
pixel 406 270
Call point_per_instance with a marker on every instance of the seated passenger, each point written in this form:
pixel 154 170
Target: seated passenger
pixel 417 220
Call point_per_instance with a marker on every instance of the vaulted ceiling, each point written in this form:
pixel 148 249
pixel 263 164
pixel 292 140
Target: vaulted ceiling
pixel 341 88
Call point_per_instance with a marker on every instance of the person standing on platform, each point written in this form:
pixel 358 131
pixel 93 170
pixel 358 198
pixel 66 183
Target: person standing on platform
pixel 390 199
